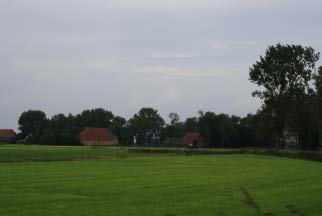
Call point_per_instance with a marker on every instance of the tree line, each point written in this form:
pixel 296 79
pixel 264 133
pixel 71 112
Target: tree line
pixel 290 88
pixel 145 128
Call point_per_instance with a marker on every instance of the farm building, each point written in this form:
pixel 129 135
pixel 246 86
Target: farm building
pixel 7 135
pixel 192 139
pixel 97 136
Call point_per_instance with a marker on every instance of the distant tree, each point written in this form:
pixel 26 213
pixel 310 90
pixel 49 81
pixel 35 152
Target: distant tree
pixel 172 132
pixel 61 131
pixel 117 126
pixel 98 117
pixel 191 125
pixel 245 130
pixel 64 138
pixel 59 122
pixel 49 138
pixel 128 134
pixel 34 122
pixel 208 128
pixel 174 117
pixel 73 126
pixel 146 127
pixel 228 133
pixel 67 138
pixel 218 130
pixel 262 128
pixel 283 74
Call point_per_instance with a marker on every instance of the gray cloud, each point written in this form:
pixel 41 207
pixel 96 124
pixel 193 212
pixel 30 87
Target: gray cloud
pixel 177 56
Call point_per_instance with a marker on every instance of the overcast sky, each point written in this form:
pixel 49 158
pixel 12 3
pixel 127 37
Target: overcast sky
pixel 181 56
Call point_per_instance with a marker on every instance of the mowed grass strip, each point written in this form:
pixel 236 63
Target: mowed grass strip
pixel 159 185
pixel 29 153
pixel 34 153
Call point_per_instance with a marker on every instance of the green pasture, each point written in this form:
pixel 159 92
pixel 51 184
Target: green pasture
pixel 39 180
pixel 27 153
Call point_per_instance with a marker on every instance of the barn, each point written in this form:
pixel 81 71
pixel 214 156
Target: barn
pixel 192 139
pixel 97 136
pixel 7 135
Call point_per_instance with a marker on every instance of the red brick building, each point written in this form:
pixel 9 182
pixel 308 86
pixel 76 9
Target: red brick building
pixel 7 135
pixel 192 139
pixel 97 136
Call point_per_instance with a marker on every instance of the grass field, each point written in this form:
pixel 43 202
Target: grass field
pixel 115 182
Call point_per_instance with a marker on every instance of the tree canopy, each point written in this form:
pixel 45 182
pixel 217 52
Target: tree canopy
pixel 284 75
pixel 32 121
pixel 146 126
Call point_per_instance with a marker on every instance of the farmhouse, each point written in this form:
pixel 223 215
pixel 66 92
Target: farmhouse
pixel 191 139
pixel 97 136
pixel 7 135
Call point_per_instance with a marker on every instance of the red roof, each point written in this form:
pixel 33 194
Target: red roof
pixel 190 138
pixel 96 134
pixel 7 133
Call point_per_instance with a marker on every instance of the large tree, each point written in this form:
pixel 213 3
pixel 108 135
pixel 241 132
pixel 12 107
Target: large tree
pixel 284 75
pixel 146 127
pixel 32 122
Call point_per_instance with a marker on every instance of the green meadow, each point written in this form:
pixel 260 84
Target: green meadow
pixel 40 180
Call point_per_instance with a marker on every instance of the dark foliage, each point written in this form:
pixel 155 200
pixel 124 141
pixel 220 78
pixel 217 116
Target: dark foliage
pixel 284 75
pixel 145 127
